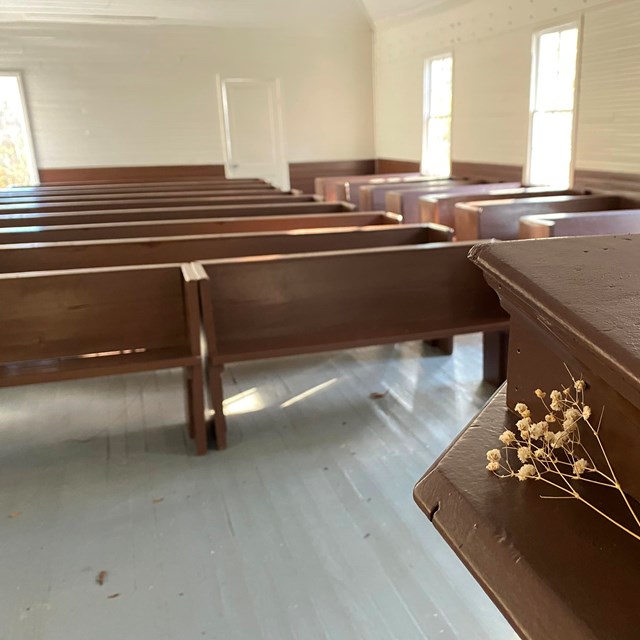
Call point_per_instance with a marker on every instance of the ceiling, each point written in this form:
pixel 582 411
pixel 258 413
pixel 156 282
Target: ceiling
pixel 223 13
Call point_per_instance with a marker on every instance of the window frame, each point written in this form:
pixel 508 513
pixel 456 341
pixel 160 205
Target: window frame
pixel 426 108
pixel 33 162
pixel 533 94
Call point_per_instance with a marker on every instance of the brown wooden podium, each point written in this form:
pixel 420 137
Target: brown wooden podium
pixel 553 567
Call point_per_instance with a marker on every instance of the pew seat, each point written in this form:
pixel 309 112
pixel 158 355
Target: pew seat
pixel 271 306
pixel 65 325
pixel 501 219
pixel 589 223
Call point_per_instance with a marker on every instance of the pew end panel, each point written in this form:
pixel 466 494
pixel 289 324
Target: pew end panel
pixel 74 324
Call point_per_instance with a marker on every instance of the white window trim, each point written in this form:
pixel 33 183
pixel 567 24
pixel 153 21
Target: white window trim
pixel 578 24
pixel 426 105
pixel 33 163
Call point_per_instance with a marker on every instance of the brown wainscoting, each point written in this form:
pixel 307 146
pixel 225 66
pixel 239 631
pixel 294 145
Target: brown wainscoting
pixel 302 174
pixel 487 172
pixel 391 165
pixel 607 181
pixel 131 174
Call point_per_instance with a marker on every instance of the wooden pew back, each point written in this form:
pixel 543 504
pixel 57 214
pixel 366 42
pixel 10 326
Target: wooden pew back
pixel 501 219
pixel 163 228
pixel 589 223
pixel 140 251
pixel 171 213
pixel 327 187
pixel 440 208
pixel 84 313
pixel 150 203
pixel 371 194
pixel 272 306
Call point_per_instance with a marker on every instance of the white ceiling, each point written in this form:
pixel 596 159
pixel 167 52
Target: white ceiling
pixel 239 13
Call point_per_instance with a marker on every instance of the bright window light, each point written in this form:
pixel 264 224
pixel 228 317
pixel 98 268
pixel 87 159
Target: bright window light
pixel 17 161
pixel 436 122
pixel 553 82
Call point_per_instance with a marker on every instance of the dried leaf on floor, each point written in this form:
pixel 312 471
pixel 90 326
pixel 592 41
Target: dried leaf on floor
pixel 378 395
pixel 158 500
pixel 15 514
pixel 102 577
pixel 113 595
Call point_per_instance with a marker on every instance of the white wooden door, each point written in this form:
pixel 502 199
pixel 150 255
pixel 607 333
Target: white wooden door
pixel 253 138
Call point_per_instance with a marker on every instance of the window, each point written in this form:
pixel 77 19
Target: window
pixel 17 162
pixel 436 124
pixel 553 80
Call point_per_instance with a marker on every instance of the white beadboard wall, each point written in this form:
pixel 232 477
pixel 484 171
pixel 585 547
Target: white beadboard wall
pixel 146 95
pixel 491 42
pixel 609 108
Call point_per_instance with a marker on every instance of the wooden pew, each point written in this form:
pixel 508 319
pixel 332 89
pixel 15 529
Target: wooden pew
pixel 270 306
pixel 440 208
pixel 590 223
pixel 149 203
pixel 406 201
pixel 501 219
pixel 142 181
pixel 46 190
pixel 172 213
pixel 350 191
pixel 48 256
pixel 68 325
pixel 326 187
pixel 373 196
pixel 142 195
pixel 573 304
pixel 206 226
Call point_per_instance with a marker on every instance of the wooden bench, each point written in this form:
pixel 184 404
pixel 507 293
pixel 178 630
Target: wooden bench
pixel 47 256
pixel 373 196
pixel 573 303
pixel 590 223
pixel 408 200
pixel 501 219
pixel 141 195
pixel 326 187
pixel 141 180
pixel 270 306
pixel 349 191
pixel 80 324
pixel 149 203
pixel 45 190
pixel 173 213
pixel 162 228
pixel 440 208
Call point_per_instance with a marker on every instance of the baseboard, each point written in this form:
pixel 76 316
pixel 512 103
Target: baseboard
pixel 302 174
pixel 487 172
pixel 393 165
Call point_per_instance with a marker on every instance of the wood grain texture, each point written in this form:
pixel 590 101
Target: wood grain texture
pixel 487 172
pixel 303 529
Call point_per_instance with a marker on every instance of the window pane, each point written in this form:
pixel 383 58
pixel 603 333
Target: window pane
pixel 440 84
pixel 551 143
pixel 437 157
pixel 555 82
pixel 17 166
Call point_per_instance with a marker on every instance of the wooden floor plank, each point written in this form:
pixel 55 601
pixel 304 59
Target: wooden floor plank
pixel 303 529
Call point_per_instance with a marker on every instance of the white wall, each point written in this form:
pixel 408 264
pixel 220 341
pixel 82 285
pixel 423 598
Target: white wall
pixel 491 42
pixel 146 95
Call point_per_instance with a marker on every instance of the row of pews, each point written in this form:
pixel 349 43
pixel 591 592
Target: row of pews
pixel 477 210
pixel 104 279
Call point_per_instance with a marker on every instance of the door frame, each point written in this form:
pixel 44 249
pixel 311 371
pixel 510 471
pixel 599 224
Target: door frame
pixel 223 111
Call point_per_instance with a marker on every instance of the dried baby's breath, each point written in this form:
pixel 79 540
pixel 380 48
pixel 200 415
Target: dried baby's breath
pixel 559 458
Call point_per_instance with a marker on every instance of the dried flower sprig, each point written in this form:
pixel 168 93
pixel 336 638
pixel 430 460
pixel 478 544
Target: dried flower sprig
pixel 553 450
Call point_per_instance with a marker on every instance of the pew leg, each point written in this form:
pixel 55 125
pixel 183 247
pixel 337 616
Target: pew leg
pixel 197 422
pixel 217 397
pixel 188 385
pixel 443 344
pixel 495 351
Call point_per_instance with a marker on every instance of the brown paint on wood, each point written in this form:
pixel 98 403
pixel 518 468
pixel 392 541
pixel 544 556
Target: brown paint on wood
pixel 488 172
pixel 391 165
pixel 501 219
pixel 590 223
pixel 129 174
pixel 163 228
pixel 373 195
